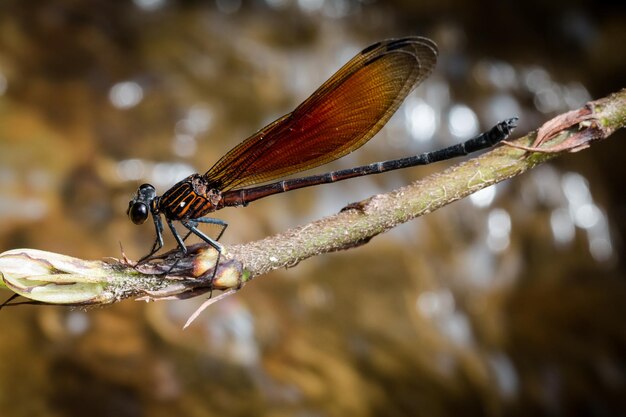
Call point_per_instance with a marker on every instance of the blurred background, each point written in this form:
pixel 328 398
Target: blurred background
pixel 510 302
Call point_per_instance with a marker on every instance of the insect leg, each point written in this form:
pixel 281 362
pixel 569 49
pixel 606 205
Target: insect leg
pixel 210 220
pixel 213 243
pixel 158 242
pixel 179 240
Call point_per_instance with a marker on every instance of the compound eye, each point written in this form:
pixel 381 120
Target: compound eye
pixel 138 213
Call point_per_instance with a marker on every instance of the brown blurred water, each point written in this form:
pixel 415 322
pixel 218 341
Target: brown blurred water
pixel 509 303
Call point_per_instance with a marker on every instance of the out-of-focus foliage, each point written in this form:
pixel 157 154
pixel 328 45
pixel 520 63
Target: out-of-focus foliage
pixel 509 303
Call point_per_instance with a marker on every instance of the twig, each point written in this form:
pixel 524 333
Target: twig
pixel 58 279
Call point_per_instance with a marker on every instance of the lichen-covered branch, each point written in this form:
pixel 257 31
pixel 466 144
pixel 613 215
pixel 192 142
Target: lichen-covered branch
pixel 52 278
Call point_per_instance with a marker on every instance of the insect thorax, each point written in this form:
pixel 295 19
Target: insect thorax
pixel 190 198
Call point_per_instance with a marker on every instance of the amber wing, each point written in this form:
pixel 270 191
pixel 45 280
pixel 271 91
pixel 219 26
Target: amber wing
pixel 343 114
